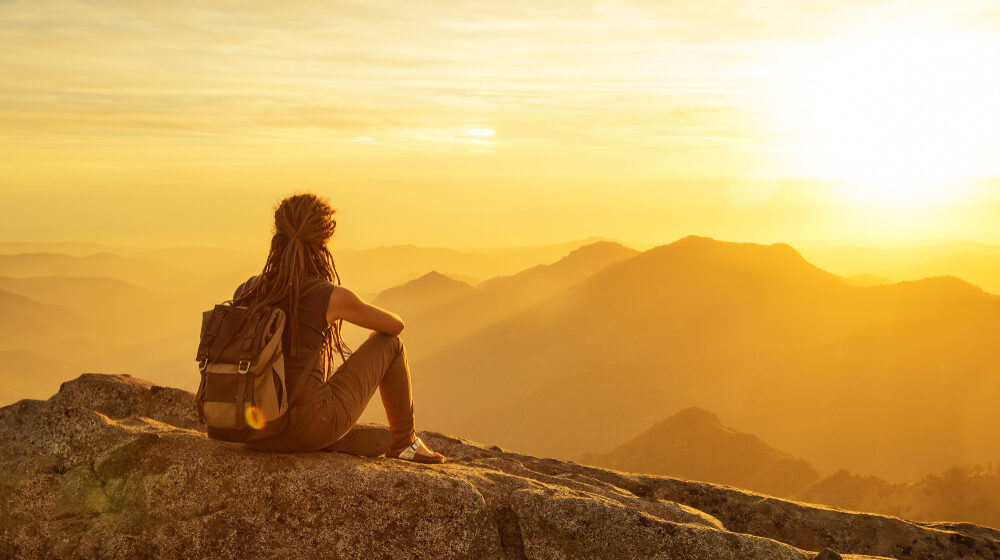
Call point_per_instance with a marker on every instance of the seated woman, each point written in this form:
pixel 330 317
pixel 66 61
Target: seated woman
pixel 301 278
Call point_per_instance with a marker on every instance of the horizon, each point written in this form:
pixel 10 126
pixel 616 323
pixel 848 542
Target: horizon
pixel 853 243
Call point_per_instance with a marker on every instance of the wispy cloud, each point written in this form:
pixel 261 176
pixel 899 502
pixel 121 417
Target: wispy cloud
pixel 630 72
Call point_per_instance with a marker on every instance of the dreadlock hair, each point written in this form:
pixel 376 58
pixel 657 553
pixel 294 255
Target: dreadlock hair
pixel 303 224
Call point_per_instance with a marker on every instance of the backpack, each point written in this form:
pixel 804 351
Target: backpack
pixel 243 395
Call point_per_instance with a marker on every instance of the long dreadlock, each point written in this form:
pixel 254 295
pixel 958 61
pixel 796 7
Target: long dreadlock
pixel 303 224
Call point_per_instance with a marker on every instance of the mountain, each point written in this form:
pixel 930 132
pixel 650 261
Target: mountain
pixel 547 279
pixel 188 272
pixel 116 467
pixel 91 296
pixel 695 445
pixel 132 270
pixel 375 270
pixel 210 272
pixel 427 292
pixel 74 248
pixel 981 270
pixel 975 263
pixel 851 377
pixel 969 494
pixel 432 328
pixel 29 323
pixel 86 323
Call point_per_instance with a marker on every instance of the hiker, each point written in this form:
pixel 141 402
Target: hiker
pixel 301 278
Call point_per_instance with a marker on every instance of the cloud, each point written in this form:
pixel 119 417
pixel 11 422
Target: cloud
pixel 560 72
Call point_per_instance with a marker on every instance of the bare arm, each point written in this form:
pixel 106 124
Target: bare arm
pixel 346 305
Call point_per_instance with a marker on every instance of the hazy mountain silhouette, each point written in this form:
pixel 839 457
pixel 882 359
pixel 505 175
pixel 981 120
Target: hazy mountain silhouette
pixel 142 307
pixel 981 270
pixel 416 296
pixel 695 445
pixel 546 279
pixel 375 270
pixel 569 357
pixel 91 296
pixel 27 322
pixel 975 263
pixel 498 298
pixel 73 248
pixel 850 377
pixel 25 265
pixel 968 494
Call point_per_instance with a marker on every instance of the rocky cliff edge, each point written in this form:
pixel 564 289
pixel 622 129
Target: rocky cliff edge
pixel 115 467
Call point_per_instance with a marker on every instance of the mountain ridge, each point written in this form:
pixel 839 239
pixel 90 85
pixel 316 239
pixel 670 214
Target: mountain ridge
pixel 713 328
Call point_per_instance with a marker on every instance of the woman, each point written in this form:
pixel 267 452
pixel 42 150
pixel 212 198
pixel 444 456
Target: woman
pixel 301 278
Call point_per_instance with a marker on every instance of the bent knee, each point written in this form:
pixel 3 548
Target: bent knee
pixel 391 340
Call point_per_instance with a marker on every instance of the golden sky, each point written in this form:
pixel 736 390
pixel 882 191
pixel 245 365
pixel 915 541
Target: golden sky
pixel 501 123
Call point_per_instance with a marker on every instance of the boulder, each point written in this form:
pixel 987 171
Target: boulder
pixel 115 467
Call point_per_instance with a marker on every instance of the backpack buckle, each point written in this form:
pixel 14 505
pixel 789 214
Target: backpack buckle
pixel 244 366
pixel 202 365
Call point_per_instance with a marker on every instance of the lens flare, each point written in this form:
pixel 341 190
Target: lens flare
pixel 255 417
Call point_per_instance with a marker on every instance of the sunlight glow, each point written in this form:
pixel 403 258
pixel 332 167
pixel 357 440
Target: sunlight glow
pixel 898 115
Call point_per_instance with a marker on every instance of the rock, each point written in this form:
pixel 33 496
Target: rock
pixel 827 554
pixel 124 396
pixel 112 467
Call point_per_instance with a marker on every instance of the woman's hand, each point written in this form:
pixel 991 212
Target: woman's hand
pixel 345 304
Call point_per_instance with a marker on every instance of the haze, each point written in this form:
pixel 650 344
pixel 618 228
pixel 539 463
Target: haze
pixel 512 123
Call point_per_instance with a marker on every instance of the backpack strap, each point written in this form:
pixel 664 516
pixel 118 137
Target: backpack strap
pixel 213 324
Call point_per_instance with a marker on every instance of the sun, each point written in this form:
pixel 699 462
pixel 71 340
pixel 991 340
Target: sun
pixel 896 115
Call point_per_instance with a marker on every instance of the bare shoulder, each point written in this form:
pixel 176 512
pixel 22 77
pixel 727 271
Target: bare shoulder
pixel 347 305
pixel 341 299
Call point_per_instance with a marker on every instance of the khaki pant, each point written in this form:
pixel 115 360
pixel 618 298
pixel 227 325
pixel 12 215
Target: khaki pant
pixel 379 363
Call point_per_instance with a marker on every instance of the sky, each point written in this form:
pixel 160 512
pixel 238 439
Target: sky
pixel 470 124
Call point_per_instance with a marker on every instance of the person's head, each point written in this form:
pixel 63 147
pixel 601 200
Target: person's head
pixel 303 225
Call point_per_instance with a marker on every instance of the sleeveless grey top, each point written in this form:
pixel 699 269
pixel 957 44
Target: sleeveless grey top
pixel 312 323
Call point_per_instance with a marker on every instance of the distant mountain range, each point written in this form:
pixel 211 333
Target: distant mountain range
pixel 372 271
pixel 975 263
pixel 464 310
pixel 969 494
pixel 85 306
pixel 568 353
pixel 851 377
pixel 695 445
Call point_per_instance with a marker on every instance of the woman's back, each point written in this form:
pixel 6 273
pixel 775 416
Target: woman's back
pixel 312 323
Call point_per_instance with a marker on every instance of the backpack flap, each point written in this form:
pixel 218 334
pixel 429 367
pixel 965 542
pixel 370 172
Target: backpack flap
pixel 231 337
